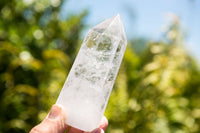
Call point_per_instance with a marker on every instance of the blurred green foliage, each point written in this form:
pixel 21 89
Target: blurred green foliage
pixel 36 53
pixel 157 88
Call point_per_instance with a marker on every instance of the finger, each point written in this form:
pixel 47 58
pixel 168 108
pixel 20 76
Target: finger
pixel 104 123
pixel 53 123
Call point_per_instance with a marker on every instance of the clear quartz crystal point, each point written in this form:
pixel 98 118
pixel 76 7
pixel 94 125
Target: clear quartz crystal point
pixel 87 89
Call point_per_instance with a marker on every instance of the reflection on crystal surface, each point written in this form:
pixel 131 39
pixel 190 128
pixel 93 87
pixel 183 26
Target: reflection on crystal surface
pixel 86 91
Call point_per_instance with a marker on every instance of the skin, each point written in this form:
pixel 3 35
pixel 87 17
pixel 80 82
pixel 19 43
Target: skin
pixel 55 123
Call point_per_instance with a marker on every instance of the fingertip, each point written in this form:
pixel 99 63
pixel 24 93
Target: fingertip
pixel 104 123
pixel 97 130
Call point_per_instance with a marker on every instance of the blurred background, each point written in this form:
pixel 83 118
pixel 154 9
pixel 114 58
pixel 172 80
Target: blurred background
pixel 158 86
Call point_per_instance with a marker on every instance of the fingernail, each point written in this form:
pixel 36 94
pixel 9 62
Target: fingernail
pixel 104 120
pixel 102 131
pixel 54 112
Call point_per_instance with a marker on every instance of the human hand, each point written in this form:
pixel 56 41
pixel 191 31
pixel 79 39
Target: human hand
pixel 55 123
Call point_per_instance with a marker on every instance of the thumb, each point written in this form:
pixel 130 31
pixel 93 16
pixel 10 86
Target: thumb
pixel 53 123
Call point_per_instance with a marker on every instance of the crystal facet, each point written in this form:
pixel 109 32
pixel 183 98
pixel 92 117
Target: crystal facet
pixel 87 89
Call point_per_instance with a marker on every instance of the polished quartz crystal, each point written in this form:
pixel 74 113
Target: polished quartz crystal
pixel 88 86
